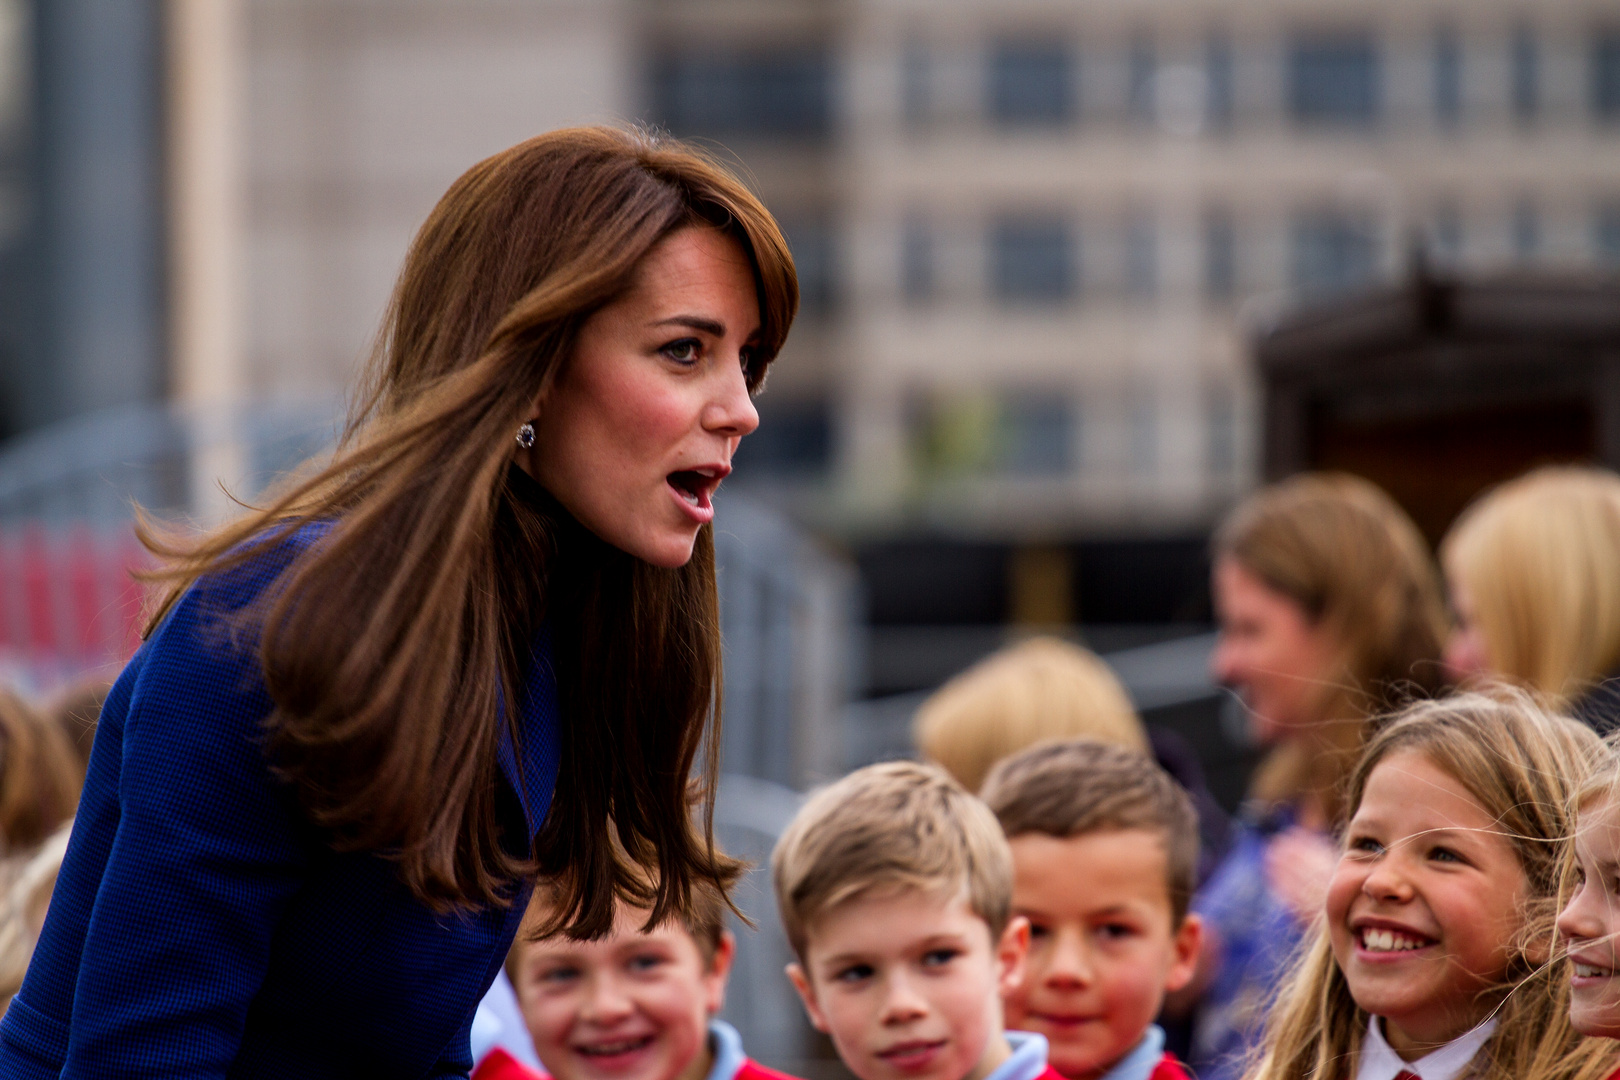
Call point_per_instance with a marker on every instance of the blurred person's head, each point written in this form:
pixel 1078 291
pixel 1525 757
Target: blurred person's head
pixel 1533 570
pixel 1330 611
pixel 894 886
pixel 1105 850
pixel 1039 689
pixel 77 710
pixel 40 774
pixel 26 899
pixel 633 1005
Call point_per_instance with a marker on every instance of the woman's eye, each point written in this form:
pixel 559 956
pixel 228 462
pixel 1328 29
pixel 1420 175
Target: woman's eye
pixel 684 351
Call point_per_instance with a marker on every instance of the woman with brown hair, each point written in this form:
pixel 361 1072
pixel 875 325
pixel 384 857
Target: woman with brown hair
pixel 1330 613
pixel 479 647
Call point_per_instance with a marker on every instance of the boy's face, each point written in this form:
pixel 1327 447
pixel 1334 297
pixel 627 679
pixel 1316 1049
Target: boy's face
pixel 631 1006
pixel 1103 950
pixel 909 985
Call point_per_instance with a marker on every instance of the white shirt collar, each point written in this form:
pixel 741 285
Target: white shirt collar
pixel 1379 1062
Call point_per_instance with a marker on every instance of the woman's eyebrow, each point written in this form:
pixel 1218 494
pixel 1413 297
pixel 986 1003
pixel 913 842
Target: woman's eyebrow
pixel 696 322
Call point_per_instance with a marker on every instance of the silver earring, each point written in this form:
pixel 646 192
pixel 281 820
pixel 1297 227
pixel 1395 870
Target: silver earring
pixel 525 435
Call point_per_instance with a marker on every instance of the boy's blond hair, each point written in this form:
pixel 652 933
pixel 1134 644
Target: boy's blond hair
pixel 900 824
pixel 1043 688
pixel 1523 766
pixel 1078 786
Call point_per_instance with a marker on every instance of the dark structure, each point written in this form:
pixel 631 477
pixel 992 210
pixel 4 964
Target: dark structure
pixel 1441 387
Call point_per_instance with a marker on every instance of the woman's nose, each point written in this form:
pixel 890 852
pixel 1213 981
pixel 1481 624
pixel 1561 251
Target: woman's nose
pixel 1386 881
pixel 1580 918
pixel 730 411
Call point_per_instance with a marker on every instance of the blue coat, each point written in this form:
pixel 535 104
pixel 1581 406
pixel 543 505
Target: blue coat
pixel 200 929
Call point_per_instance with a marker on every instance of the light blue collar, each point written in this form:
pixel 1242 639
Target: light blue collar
pixel 1028 1058
pixel 1143 1058
pixel 727 1047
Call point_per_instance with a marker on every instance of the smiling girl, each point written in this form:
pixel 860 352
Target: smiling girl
pixel 1433 958
pixel 1589 925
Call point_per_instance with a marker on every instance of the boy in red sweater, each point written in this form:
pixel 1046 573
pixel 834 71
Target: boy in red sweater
pixel 894 886
pixel 1104 849
pixel 635 1005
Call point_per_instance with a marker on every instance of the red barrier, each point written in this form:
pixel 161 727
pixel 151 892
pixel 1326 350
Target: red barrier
pixel 67 602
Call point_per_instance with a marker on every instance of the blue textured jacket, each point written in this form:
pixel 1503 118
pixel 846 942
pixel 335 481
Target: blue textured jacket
pixel 200 929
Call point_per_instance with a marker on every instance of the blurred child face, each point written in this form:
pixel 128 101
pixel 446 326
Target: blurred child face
pixel 1269 650
pixel 1590 922
pixel 1425 905
pixel 909 984
pixel 1103 948
pixel 1464 657
pixel 631 1006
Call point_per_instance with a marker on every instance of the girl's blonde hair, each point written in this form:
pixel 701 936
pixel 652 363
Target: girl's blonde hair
pixel 1341 549
pixel 1540 559
pixel 1040 689
pixel 1523 765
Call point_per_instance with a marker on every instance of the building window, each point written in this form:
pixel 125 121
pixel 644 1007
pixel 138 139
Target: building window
pixel 1606 234
pixel 917 278
pixel 1219 88
pixel 784 92
pixel 1334 80
pixel 1220 256
pixel 1221 445
pixel 794 439
pixel 916 78
pixel 1139 97
pixel 1447 235
pixel 1606 76
pixel 1333 252
pixel 1141 257
pixel 1032 84
pixel 983 432
pixel 1033 260
pixel 1036 434
pixel 1447 77
pixel 1526 231
pixel 1526 74
pixel 813 243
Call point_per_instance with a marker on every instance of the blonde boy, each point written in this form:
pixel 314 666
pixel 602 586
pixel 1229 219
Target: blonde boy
pixel 894 886
pixel 1104 847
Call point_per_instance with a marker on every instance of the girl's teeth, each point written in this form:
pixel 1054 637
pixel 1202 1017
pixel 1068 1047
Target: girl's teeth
pixel 1387 941
pixel 1587 971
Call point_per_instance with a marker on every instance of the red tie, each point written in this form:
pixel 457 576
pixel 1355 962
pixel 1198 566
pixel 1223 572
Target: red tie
pixel 1407 1074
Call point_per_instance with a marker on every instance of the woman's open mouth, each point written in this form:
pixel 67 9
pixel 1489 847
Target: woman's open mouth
pixel 1384 940
pixel 694 488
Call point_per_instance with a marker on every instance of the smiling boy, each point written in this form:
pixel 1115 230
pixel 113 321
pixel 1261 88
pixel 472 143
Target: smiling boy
pixel 1105 847
pixel 894 886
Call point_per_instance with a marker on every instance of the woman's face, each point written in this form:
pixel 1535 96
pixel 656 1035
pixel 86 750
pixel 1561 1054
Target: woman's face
pixel 1464 655
pixel 1270 651
pixel 640 427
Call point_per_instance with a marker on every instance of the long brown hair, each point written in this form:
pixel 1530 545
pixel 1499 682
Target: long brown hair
pixel 1354 562
pixel 40 775
pixel 389 645
pixel 1523 766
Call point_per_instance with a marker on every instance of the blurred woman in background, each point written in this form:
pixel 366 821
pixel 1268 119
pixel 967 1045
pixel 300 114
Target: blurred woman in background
pixel 1533 571
pixel 1330 612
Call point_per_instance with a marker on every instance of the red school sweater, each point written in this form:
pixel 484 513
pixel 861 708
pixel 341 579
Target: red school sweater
pixel 499 1065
